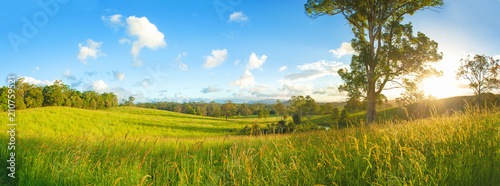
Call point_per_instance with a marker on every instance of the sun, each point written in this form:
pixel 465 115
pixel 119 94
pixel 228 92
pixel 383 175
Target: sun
pixel 439 87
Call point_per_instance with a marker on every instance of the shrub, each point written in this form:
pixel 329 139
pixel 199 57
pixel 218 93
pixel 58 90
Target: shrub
pixel 296 119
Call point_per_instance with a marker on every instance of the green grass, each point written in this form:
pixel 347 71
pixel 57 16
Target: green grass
pixel 462 149
pixel 51 121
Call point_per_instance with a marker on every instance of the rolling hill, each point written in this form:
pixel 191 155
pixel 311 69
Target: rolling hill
pixel 119 121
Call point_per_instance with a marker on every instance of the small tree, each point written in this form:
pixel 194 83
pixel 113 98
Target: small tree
pixel 296 118
pixel 335 114
pixel 481 72
pixel 411 95
pixel 280 108
pixel 344 116
pixel 353 104
pixel 265 113
pixel 260 113
pixel 131 101
pixel 310 106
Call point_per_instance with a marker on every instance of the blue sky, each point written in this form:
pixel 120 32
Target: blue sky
pixel 215 50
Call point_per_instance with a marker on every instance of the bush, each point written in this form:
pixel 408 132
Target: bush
pixel 254 130
pixel 279 127
pixel 290 127
pixel 296 119
pixel 335 114
pixel 344 117
pixel 309 126
pixel 285 116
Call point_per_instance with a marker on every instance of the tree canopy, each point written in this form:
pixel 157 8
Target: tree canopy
pixel 58 94
pixel 387 51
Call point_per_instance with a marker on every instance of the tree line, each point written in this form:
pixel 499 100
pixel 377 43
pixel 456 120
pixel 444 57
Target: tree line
pixel 297 106
pixel 28 95
pixel 211 109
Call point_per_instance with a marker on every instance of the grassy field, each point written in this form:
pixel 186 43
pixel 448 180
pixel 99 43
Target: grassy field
pixel 54 121
pixel 132 146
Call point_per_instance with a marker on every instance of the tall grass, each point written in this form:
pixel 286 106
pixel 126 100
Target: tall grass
pixel 462 149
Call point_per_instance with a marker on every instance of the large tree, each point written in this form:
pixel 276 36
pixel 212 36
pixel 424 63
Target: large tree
pixel 244 109
pixel 298 104
pixel 280 108
pixel 228 109
pixel 387 51
pixel 54 94
pixel 481 72
pixel 34 97
pixel 310 107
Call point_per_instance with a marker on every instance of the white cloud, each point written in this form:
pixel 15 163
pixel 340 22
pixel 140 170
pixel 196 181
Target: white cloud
pixel 117 18
pixel 67 74
pixel 98 86
pixel 37 82
pixel 497 57
pixel 211 89
pixel 179 98
pixel 119 76
pixel 289 89
pixel 244 81
pixel 148 36
pixel 255 62
pixel 238 17
pixel 124 40
pixel 237 62
pixel 329 90
pixel 315 70
pixel 121 93
pixel 113 21
pixel 306 75
pixel 91 50
pixel 217 58
pixel 283 68
pixel 36 69
pixel 345 49
pixel 259 89
pixel 144 83
pixel 181 65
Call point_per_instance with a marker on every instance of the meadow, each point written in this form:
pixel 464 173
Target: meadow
pixel 135 146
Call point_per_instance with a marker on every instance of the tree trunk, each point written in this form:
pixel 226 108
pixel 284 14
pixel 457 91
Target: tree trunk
pixel 370 109
pixel 371 100
pixel 479 100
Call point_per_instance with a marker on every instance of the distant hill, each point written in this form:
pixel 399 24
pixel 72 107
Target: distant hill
pixel 286 102
pixel 265 101
pixel 421 110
